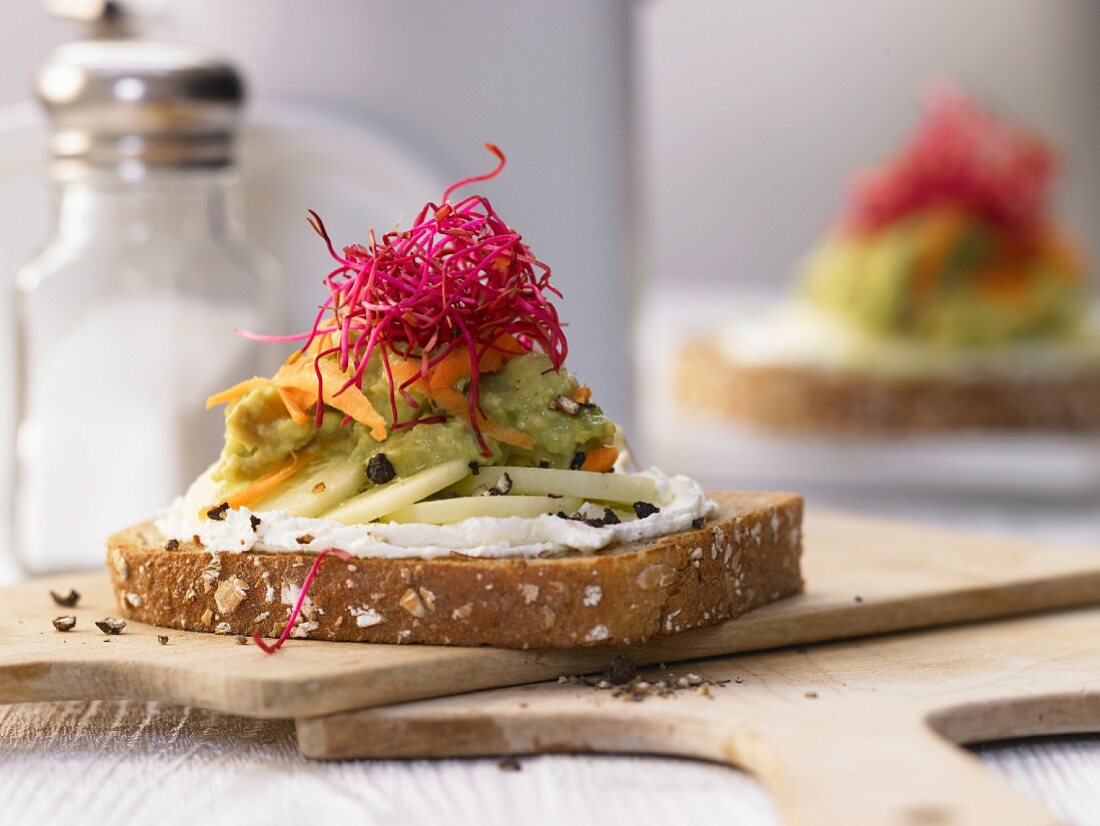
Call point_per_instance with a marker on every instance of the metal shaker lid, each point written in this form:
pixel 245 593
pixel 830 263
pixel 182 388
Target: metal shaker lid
pixel 114 100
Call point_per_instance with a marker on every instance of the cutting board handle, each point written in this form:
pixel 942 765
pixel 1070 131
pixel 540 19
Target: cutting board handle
pixel 859 766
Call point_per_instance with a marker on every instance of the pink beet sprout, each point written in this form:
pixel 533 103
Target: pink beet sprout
pixel 961 155
pixel 289 627
pixel 459 277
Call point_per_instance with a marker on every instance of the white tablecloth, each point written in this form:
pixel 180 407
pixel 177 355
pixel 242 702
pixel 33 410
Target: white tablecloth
pixel 98 764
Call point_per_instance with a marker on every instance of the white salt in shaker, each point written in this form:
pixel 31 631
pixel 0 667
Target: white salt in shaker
pixel 126 319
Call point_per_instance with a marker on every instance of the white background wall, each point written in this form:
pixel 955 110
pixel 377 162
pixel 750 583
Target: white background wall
pixel 755 112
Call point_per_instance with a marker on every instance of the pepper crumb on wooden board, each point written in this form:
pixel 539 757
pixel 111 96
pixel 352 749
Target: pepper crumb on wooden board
pixel 69 600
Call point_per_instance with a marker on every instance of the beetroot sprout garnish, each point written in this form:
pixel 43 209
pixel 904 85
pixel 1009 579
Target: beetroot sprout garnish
pixel 289 627
pixel 959 155
pixel 458 279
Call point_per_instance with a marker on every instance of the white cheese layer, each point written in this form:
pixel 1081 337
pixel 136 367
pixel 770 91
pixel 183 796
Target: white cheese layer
pixel 797 335
pixel 681 501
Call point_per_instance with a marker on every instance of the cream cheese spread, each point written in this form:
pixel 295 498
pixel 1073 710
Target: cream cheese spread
pixel 681 501
pixel 797 335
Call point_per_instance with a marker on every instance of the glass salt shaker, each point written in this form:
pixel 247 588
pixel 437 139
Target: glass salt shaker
pixel 125 321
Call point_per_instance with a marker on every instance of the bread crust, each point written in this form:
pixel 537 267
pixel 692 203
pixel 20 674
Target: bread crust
pixel 747 555
pixel 806 400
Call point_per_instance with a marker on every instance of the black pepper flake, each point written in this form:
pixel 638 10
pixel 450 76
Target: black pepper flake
pixel 255 520
pixel 609 518
pixel 172 545
pixel 577 460
pixel 644 510
pixel 509 764
pixel 68 601
pixel 218 513
pixel 304 539
pixel 162 639
pixel 111 625
pixel 502 487
pixel 859 599
pixel 241 639
pixel 64 623
pixel 380 470
pixel 475 468
pixel 621 670
pixel 698 522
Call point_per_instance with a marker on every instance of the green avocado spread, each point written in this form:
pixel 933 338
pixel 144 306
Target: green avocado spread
pixel 261 436
pixel 943 276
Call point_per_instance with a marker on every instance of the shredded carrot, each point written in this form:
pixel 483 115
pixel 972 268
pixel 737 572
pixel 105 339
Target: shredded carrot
pixel 296 410
pixel 1005 283
pixel 600 459
pixel 351 402
pixel 456 404
pixel 583 395
pixel 454 367
pixel 255 490
pixel 944 228
pixel 292 399
pixel 1064 256
pixel 236 391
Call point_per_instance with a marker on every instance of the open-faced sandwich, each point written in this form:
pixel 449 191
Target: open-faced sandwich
pixel 945 299
pixel 424 469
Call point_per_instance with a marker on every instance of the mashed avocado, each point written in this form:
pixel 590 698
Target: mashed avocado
pixel 260 436
pixel 945 276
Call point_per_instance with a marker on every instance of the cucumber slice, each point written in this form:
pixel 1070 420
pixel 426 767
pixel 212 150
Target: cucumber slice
pixel 448 511
pixel 317 488
pixel 370 505
pixel 536 481
pixel 203 495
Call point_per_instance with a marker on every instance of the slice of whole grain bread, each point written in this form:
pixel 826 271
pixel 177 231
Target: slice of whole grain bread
pixel 746 555
pixel 808 400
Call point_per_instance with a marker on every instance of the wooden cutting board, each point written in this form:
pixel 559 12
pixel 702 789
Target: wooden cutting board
pixel 848 733
pixel 864 576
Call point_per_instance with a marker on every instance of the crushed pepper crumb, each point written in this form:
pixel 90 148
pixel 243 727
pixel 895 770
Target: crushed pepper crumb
pixel 69 600
pixel 622 679
pixel 111 625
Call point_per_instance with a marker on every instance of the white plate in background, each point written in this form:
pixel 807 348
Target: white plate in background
pixel 1023 466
